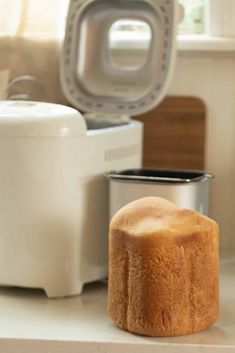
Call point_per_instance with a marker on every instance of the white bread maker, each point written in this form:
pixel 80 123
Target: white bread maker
pixel 54 211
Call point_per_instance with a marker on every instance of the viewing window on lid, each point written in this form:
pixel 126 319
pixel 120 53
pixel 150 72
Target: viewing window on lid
pixel 129 44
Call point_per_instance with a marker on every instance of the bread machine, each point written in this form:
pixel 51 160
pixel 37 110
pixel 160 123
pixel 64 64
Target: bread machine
pixel 54 194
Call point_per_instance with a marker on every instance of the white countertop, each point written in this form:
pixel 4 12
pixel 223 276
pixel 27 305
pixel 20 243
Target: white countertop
pixel 31 323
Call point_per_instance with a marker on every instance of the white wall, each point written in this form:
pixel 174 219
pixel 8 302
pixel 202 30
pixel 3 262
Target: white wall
pixel 211 76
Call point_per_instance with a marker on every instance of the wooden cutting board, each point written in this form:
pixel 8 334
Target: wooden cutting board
pixel 175 134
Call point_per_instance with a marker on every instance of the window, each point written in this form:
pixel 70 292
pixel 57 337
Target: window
pixel 194 17
pixel 212 17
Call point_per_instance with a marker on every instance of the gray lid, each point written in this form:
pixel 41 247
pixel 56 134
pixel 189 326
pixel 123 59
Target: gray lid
pixel 92 80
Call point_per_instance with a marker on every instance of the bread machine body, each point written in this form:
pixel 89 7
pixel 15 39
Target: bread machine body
pixel 54 196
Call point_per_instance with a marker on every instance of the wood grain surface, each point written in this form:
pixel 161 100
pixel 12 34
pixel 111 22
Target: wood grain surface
pixel 175 133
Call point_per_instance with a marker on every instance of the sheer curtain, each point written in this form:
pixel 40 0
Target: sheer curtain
pixel 31 32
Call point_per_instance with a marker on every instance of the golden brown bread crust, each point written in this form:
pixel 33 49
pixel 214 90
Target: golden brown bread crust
pixel 163 269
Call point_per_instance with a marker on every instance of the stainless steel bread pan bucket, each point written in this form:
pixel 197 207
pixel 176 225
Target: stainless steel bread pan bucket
pixel 186 188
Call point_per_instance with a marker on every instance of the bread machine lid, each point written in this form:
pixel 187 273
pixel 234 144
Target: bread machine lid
pixel 118 55
pixel 38 119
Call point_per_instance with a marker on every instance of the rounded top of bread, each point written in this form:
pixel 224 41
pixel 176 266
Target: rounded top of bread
pixel 157 216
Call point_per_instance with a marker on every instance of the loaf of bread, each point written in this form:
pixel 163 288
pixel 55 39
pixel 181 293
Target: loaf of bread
pixel 163 269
